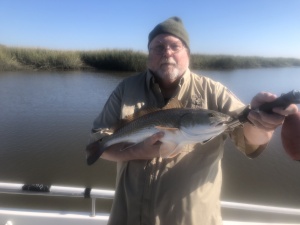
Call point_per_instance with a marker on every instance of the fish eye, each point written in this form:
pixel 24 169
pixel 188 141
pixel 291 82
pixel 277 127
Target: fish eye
pixel 210 115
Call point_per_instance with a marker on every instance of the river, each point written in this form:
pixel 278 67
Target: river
pixel 46 117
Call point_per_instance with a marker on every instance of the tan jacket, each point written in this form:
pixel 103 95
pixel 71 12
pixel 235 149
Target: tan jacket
pixel 184 190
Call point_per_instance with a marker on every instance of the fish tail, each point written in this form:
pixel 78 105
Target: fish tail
pixel 93 152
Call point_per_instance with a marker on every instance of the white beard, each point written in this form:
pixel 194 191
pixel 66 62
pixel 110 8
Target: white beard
pixel 170 74
pixel 173 75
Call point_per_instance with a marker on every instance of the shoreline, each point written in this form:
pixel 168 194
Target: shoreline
pixel 38 59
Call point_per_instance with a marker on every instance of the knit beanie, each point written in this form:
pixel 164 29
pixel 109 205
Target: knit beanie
pixel 173 26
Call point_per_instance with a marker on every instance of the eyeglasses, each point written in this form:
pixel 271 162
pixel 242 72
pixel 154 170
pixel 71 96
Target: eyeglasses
pixel 160 49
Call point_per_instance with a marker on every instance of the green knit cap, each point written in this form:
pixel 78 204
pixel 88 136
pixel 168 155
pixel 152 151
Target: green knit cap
pixel 173 26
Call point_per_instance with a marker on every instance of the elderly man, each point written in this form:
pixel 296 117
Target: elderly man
pixel 184 189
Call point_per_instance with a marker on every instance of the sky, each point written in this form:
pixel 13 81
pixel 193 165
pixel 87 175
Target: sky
pixel 267 28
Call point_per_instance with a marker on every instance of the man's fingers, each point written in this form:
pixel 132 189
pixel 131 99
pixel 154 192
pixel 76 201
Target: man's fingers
pixel 261 98
pixel 265 121
pixel 291 109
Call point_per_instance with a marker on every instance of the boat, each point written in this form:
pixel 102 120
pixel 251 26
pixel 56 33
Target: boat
pixel 15 216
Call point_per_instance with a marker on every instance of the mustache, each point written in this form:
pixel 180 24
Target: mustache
pixel 168 61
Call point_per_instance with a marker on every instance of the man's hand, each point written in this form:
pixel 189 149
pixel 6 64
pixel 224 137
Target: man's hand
pixel 263 124
pixel 265 121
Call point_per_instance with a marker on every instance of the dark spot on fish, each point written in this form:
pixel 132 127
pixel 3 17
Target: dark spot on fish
pixel 211 115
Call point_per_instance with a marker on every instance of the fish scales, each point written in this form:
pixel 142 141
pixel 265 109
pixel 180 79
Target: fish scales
pixel 169 118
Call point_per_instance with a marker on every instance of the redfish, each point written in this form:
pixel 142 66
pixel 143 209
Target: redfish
pixel 181 126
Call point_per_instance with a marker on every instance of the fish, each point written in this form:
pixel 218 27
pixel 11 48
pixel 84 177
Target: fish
pixel 181 126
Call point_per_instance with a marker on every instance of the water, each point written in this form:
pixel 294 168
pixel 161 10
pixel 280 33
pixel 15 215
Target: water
pixel 46 117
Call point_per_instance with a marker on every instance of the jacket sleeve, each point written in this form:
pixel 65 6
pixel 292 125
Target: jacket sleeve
pixel 109 116
pixel 231 105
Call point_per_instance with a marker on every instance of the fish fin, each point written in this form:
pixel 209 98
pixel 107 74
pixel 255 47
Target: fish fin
pixel 169 129
pixel 174 103
pixel 134 116
pixel 141 113
pixel 93 152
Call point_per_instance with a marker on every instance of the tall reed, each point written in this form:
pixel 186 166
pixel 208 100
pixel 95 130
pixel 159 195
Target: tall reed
pixel 119 60
pixel 12 58
pixel 38 59
pixel 8 60
pixel 221 62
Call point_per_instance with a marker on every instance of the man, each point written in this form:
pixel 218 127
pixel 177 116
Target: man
pixel 184 189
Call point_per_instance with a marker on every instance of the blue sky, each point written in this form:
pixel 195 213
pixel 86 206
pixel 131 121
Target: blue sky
pixel 269 28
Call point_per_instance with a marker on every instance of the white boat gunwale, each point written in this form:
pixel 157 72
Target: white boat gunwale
pixel 93 194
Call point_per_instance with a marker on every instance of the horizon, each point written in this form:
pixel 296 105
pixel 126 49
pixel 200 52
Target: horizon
pixel 259 28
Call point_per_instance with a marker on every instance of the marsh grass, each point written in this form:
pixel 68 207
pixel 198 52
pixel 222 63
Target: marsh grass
pixel 118 60
pixel 225 62
pixel 38 59
pixel 7 60
pixel 12 58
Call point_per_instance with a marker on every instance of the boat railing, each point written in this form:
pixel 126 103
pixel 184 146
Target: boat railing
pixel 93 194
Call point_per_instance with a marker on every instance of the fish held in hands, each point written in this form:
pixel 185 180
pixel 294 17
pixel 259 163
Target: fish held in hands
pixel 181 126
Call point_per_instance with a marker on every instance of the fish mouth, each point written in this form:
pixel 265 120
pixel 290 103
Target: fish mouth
pixel 223 122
